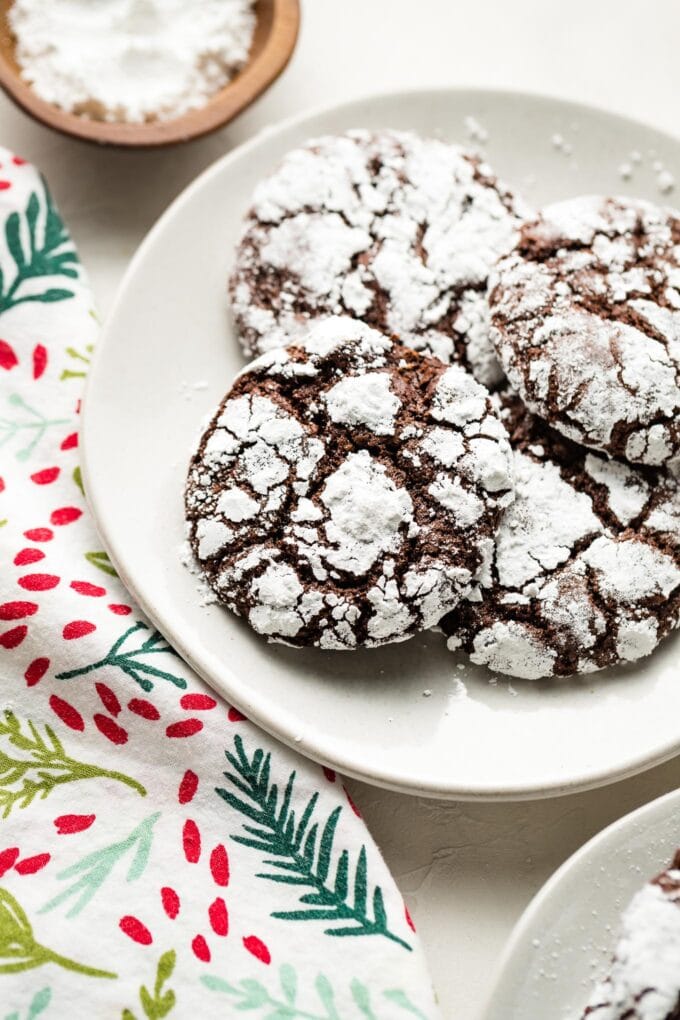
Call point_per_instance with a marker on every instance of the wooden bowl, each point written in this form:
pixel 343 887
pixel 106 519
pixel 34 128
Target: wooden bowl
pixel 273 43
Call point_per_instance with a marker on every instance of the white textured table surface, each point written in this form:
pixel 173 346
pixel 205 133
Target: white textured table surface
pixel 467 870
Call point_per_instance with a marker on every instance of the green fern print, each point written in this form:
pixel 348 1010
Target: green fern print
pixel 93 870
pixel 78 357
pixel 101 561
pixel 40 247
pixel 158 1004
pixel 299 853
pixel 33 764
pixel 18 949
pixel 133 659
pixel 249 995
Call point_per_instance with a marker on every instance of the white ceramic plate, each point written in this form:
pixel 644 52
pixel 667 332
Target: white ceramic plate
pixel 398 716
pixel 564 940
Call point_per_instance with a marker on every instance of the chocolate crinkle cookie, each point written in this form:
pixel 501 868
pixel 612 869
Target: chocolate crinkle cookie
pixel 390 228
pixel 585 318
pixel 585 571
pixel 347 490
pixel 643 982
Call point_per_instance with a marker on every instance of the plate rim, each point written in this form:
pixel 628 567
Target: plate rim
pixel 391 780
pixel 523 926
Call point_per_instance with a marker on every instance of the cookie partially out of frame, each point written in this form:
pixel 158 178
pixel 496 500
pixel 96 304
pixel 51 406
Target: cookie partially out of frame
pixel 347 489
pixel 393 229
pixel 643 982
pixel 585 572
pixel 585 318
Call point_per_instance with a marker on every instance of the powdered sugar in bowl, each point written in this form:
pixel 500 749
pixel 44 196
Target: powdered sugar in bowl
pixel 155 91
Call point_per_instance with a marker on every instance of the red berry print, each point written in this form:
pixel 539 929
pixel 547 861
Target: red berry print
pixel 135 930
pixel 120 610
pixel 257 948
pixel 351 803
pixel 201 949
pixel 108 699
pixel 188 787
pixel 30 865
pixel 219 865
pixel 39 360
pixel 66 825
pixel 197 702
pixel 70 441
pixel 17 610
pixel 46 476
pixel 39 534
pixel 186 728
pixel 39 582
pixel 2 485
pixel 69 715
pixel 8 859
pixel 13 638
pixel 28 556
pixel 409 919
pixel 219 918
pixel 65 515
pixel 110 729
pixel 85 588
pixel 8 358
pixel 4 185
pixel 77 629
pixel 144 708
pixel 18 161
pixel 170 901
pixel 329 774
pixel 235 716
pixel 36 671
pixel 191 841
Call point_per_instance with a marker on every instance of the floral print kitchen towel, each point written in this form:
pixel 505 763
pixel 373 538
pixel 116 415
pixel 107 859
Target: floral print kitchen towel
pixel 159 855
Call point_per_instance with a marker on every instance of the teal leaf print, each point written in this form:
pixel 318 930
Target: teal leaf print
pixel 300 852
pixel 248 995
pixel 26 424
pixel 39 1004
pixel 40 247
pixel 34 763
pixel 133 659
pixel 92 871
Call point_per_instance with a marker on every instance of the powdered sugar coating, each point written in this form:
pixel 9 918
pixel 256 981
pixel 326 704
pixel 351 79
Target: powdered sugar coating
pixel 346 488
pixel 585 318
pixel 585 571
pixel 390 228
pixel 644 978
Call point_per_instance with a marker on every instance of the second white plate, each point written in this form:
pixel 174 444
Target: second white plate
pixel 412 717
pixel 565 939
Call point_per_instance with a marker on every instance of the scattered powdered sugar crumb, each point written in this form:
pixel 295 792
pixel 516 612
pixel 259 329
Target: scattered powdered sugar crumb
pixel 665 181
pixel 558 142
pixel 475 131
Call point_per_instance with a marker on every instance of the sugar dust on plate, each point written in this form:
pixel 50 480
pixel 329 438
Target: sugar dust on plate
pixel 130 60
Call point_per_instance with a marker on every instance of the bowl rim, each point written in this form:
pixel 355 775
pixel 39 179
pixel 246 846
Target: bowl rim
pixel 256 76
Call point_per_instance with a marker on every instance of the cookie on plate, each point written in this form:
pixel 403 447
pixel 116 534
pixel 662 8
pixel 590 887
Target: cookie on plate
pixel 390 228
pixel 643 982
pixel 585 572
pixel 585 318
pixel 347 489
